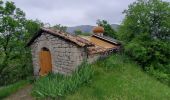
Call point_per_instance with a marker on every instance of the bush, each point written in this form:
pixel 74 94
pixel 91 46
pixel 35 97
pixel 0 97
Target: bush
pixel 148 53
pixel 153 56
pixel 146 38
pixel 57 85
pixel 160 75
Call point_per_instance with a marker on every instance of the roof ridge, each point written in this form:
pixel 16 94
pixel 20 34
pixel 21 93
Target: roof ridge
pixel 75 39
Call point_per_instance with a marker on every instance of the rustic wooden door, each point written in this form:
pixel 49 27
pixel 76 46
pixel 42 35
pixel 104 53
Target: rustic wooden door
pixel 45 62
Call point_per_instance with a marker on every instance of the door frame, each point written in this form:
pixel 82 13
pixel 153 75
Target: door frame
pixel 41 66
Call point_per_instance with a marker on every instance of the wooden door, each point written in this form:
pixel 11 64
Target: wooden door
pixel 45 62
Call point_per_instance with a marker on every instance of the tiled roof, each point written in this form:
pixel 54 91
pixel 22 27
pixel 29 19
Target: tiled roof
pixel 75 39
pixel 101 46
pixel 108 39
pixel 97 49
pixel 92 47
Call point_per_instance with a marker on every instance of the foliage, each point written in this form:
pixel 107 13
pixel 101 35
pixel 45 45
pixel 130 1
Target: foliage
pixel 8 90
pixel 160 75
pixel 60 27
pixel 54 86
pixel 109 31
pixel 15 30
pixel 146 35
pixel 119 78
pixel 85 34
pixel 78 32
pixel 150 17
pixel 32 27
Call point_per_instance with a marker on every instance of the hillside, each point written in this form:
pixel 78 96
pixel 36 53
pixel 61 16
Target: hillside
pixel 117 78
pixel 87 28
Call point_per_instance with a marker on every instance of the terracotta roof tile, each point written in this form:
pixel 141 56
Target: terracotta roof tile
pixel 108 39
pixel 97 49
pixel 100 45
pixel 92 48
pixel 75 39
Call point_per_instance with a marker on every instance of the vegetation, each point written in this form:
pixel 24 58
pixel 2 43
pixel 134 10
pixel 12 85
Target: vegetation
pixel 108 30
pixel 119 78
pixel 55 86
pixel 60 27
pixel 15 30
pixel 79 32
pixel 116 77
pixel 8 90
pixel 145 33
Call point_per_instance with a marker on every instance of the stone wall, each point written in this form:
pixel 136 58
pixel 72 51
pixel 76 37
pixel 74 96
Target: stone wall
pixel 66 56
pixel 92 58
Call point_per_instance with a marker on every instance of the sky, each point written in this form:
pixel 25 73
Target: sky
pixel 74 12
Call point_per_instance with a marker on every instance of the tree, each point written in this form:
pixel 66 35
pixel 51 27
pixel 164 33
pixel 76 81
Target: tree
pixel 15 59
pixel 147 16
pixel 60 27
pixel 109 31
pixel 146 34
pixel 32 27
pixel 78 32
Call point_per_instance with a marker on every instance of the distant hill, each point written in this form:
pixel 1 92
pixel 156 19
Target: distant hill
pixel 87 28
pixel 115 27
pixel 83 28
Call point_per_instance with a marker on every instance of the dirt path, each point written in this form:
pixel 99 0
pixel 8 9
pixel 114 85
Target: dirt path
pixel 22 94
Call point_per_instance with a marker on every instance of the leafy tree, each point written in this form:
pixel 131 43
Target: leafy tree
pixel 146 34
pixel 147 16
pixel 78 32
pixel 109 31
pixel 31 27
pixel 60 27
pixel 15 59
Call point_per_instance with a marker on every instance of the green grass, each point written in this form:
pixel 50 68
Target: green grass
pixel 118 78
pixel 8 90
pixel 57 86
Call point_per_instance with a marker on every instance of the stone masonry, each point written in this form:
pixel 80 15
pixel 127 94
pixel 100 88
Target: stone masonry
pixel 68 51
pixel 65 55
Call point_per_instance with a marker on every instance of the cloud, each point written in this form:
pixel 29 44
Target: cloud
pixel 74 12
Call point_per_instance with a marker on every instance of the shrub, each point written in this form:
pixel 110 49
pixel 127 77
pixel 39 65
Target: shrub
pixel 56 85
pixel 152 56
pixel 160 75
pixel 146 38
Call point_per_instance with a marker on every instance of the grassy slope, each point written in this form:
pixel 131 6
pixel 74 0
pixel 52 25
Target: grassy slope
pixel 8 90
pixel 119 79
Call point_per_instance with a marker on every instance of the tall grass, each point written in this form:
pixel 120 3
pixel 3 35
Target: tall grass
pixel 8 90
pixel 55 86
pixel 119 78
pixel 113 61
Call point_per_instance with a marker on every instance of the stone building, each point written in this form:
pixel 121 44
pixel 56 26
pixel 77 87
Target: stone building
pixel 59 52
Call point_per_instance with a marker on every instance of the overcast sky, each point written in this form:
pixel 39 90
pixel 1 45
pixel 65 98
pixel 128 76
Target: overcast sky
pixel 74 12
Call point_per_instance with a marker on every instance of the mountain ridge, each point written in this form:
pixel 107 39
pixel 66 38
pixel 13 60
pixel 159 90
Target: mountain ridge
pixel 88 28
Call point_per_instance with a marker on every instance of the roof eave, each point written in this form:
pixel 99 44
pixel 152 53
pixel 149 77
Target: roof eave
pixel 54 34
